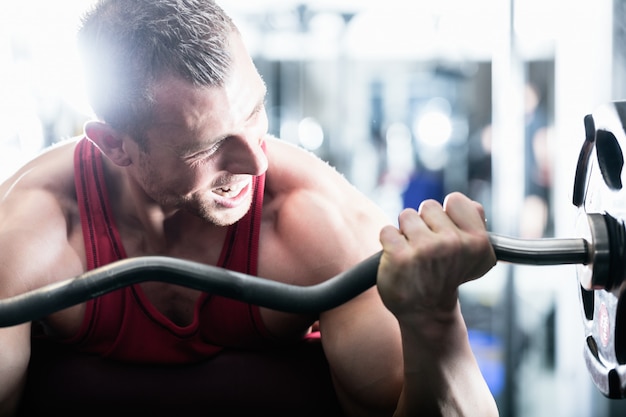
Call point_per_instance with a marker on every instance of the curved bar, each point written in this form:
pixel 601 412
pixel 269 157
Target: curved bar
pixel 276 295
pixel 540 251
pixel 267 293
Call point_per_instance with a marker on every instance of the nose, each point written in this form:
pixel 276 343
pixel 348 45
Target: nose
pixel 246 155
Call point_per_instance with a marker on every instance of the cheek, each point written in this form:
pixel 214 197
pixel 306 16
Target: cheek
pixel 199 178
pixel 166 178
pixel 174 177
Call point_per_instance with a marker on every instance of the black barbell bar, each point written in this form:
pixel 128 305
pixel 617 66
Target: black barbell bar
pixel 49 299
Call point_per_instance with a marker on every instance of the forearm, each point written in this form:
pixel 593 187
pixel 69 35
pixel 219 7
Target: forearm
pixel 441 376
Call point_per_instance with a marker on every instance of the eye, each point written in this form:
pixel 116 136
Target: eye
pixel 206 152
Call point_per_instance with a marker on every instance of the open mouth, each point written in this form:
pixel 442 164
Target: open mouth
pixel 230 191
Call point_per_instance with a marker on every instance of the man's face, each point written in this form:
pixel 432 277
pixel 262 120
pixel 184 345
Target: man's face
pixel 204 146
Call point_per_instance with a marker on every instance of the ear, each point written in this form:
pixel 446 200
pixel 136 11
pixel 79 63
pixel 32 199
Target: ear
pixel 109 141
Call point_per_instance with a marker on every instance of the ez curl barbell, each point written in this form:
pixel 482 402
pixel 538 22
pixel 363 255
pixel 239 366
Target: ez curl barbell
pixel 267 293
pixel 599 253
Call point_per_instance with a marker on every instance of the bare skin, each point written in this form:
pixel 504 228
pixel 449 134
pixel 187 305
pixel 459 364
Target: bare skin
pixel 408 355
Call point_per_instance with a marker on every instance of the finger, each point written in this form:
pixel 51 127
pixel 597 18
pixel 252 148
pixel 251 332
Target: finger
pixel 481 211
pixel 395 246
pixel 391 238
pixel 464 212
pixel 411 223
pixel 410 226
pixel 434 216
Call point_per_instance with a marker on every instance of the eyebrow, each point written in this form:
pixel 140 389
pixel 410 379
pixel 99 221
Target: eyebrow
pixel 188 150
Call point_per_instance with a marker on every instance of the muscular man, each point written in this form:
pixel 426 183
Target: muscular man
pixel 179 163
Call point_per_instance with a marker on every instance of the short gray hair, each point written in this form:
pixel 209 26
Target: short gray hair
pixel 128 45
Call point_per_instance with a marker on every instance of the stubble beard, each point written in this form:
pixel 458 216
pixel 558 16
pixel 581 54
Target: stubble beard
pixel 207 209
pixel 220 216
pixel 200 205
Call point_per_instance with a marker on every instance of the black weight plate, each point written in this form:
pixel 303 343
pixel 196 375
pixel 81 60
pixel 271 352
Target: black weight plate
pixel 600 174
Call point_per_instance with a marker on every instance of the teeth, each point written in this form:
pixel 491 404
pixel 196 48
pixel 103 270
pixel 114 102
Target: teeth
pixel 229 191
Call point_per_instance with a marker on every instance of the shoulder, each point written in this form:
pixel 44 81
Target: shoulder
pixel 43 186
pixel 323 223
pixel 294 166
pixel 51 170
pixel 294 171
pixel 38 217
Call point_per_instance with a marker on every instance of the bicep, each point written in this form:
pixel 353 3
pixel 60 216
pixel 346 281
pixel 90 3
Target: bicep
pixel 33 253
pixel 35 246
pixel 327 226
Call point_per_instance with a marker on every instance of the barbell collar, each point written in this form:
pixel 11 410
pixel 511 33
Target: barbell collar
pixel 602 271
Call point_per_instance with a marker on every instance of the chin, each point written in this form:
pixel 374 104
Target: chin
pixel 225 217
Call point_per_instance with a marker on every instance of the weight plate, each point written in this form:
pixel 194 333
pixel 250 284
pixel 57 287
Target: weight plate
pixel 600 195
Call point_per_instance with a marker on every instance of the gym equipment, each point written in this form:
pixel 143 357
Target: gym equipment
pixel 598 189
pixel 276 295
pixel 599 254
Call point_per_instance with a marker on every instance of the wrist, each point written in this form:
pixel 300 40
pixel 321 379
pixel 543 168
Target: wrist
pixel 433 326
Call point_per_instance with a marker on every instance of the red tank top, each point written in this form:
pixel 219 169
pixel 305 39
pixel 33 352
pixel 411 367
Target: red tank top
pixel 123 324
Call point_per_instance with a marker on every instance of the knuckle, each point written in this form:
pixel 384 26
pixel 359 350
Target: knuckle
pixel 429 205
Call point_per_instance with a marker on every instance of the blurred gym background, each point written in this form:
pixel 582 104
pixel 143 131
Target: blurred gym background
pixel 409 100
